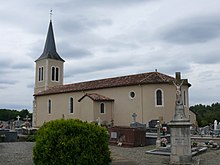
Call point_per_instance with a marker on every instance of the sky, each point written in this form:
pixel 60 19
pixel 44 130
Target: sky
pixel 108 38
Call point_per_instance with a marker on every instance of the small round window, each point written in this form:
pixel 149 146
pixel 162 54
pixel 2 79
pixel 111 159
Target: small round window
pixel 132 94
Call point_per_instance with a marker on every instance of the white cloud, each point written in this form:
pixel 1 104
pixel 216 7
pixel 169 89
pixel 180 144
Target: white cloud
pixel 135 36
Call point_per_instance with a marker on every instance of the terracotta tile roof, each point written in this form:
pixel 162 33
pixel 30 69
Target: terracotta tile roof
pixel 96 97
pixel 143 78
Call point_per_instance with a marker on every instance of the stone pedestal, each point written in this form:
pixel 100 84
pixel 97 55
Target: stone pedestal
pixel 180 142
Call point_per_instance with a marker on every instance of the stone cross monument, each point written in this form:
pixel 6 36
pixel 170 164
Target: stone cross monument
pixel 134 115
pixel 18 117
pixel 180 129
pixel 158 141
pixel 215 124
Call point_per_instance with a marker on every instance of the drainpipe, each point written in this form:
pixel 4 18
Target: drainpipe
pixel 142 110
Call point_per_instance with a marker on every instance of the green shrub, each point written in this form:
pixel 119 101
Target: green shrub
pixel 71 142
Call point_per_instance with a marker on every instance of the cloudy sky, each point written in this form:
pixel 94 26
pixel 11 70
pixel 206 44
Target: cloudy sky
pixel 108 38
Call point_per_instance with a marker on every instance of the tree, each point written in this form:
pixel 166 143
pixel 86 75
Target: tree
pixel 206 114
pixel 8 114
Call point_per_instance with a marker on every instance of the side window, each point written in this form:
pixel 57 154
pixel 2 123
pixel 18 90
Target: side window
pixel 102 108
pixel 54 73
pixel 49 106
pixel 57 74
pixel 132 94
pixel 158 98
pixel 71 105
pixel 40 73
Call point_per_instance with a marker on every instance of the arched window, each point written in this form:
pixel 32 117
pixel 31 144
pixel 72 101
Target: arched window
pixel 71 105
pixel 159 97
pixel 102 108
pixel 40 73
pixel 49 106
pixel 55 73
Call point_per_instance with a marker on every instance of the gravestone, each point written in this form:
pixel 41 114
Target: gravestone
pixel 99 121
pixel 134 115
pixel 18 122
pixel 215 124
pixel 180 129
pixel 216 128
pixel 206 130
pixel 153 123
pixel 27 124
pixel 135 124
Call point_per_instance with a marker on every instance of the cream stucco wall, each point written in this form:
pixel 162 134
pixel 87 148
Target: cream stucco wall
pixel 107 116
pixel 143 104
pixel 87 110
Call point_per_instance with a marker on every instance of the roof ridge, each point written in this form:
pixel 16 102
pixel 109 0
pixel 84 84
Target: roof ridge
pixel 160 76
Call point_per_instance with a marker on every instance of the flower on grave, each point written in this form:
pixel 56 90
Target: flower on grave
pixel 2 136
pixel 194 144
pixel 164 141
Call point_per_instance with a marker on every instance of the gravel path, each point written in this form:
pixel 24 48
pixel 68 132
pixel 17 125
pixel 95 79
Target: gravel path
pixel 20 153
pixel 138 157
pixel 16 153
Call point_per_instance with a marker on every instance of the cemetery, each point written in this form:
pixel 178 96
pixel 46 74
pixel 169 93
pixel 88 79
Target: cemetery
pixel 177 140
pixel 16 131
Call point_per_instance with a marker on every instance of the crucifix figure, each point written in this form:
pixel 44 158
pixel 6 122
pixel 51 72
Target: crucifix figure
pixel 178 83
pixel 179 109
pixel 134 115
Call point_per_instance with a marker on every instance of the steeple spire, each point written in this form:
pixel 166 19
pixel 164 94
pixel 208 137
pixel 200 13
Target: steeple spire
pixel 50 46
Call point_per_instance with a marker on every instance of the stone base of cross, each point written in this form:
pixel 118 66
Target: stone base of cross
pixel 158 141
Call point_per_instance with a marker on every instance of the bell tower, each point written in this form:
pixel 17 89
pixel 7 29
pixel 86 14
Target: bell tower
pixel 49 66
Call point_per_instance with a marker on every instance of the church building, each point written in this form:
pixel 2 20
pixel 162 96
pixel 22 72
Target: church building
pixel 148 95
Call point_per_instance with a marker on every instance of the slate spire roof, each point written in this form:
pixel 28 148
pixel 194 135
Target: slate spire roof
pixel 50 46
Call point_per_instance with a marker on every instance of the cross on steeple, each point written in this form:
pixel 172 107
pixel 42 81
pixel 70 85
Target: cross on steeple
pixel 51 14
